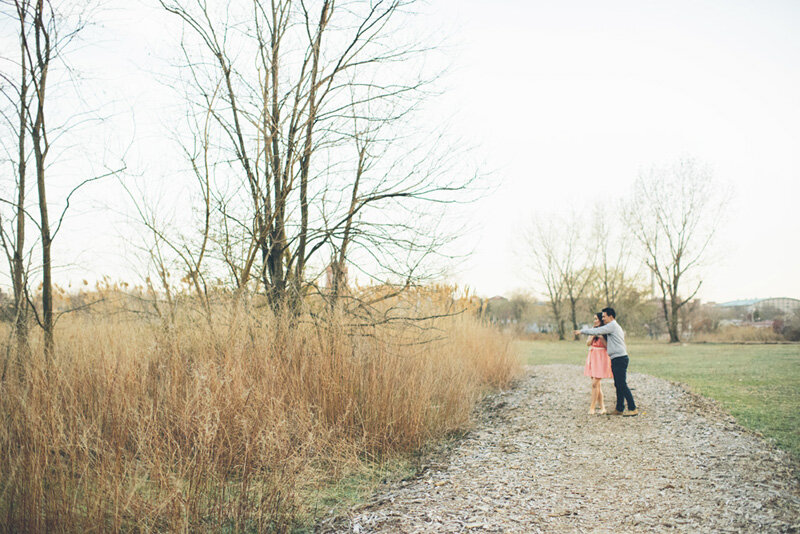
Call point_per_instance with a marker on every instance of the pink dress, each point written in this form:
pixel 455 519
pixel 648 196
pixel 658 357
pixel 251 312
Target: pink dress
pixel 598 364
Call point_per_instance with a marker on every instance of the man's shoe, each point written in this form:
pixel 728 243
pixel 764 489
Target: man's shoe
pixel 630 413
pixel 614 412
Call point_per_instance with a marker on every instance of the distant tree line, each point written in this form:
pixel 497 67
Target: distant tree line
pixel 661 233
pixel 526 316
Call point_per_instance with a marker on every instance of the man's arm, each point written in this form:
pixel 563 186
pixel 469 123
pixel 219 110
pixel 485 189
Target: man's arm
pixel 605 329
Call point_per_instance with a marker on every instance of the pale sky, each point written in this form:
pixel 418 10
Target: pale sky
pixel 564 102
pixel 570 99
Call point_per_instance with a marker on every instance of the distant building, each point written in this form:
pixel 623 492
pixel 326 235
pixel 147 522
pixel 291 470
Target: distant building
pixel 785 305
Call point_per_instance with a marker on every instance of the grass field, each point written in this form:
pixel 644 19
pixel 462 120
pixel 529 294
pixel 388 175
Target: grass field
pixel 757 384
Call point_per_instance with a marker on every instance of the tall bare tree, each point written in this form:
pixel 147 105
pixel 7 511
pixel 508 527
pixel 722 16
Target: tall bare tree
pixel 18 99
pixel 613 282
pixel 577 266
pixel 674 213
pixel 547 266
pixel 563 262
pixel 613 257
pixel 40 55
pixel 291 87
pixel 44 31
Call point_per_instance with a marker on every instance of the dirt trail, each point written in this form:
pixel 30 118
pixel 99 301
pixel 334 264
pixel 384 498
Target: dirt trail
pixel 537 462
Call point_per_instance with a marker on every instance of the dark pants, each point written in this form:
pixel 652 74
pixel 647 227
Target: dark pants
pixel 619 366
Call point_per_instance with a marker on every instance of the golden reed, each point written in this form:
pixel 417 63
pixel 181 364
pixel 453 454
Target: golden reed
pixel 224 424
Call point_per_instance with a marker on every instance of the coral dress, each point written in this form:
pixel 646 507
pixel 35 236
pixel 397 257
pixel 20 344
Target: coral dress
pixel 598 364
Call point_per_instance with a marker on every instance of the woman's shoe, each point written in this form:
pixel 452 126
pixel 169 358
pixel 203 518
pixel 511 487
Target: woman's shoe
pixel 591 411
pixel 602 411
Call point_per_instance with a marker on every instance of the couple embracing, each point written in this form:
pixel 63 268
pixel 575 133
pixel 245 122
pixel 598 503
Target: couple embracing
pixel 608 357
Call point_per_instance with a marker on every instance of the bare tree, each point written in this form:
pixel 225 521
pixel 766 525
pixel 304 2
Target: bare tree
pixel 613 283
pixel 44 31
pixel 544 249
pixel 40 56
pixel 17 97
pixel 674 214
pixel 564 262
pixel 577 267
pixel 291 87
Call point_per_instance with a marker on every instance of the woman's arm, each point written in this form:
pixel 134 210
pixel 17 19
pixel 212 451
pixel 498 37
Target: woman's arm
pixel 589 341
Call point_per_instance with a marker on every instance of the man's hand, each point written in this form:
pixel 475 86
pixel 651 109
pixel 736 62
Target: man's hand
pixel 576 332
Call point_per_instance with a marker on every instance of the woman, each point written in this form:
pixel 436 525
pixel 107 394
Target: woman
pixel 598 366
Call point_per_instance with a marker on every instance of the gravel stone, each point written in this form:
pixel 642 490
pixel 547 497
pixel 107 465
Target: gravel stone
pixel 535 461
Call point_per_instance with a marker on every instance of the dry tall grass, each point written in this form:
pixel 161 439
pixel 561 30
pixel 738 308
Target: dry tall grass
pixel 137 427
pixel 739 334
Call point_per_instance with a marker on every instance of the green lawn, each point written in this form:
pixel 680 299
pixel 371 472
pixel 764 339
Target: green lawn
pixel 758 384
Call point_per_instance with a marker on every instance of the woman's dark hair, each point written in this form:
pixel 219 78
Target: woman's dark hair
pixel 599 316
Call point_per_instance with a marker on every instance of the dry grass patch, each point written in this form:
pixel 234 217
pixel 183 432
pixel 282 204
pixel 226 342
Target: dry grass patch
pixel 739 334
pixel 206 427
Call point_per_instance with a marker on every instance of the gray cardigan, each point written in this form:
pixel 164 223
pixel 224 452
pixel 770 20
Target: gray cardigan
pixel 616 338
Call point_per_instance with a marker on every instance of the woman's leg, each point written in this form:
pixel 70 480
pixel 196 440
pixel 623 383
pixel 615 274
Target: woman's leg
pixel 600 400
pixel 594 396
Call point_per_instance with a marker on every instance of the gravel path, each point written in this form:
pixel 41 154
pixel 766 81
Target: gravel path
pixel 537 462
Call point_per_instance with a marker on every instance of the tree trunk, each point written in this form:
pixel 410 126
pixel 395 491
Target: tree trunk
pixel 674 332
pixel 40 147
pixel 275 284
pixel 305 161
pixel 559 320
pixel 573 304
pixel 20 303
pixel 573 316
pixel 338 266
pixel 47 283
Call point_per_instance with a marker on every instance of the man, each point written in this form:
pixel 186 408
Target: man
pixel 619 360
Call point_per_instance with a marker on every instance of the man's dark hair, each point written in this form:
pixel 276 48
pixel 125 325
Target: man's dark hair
pixel 610 312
